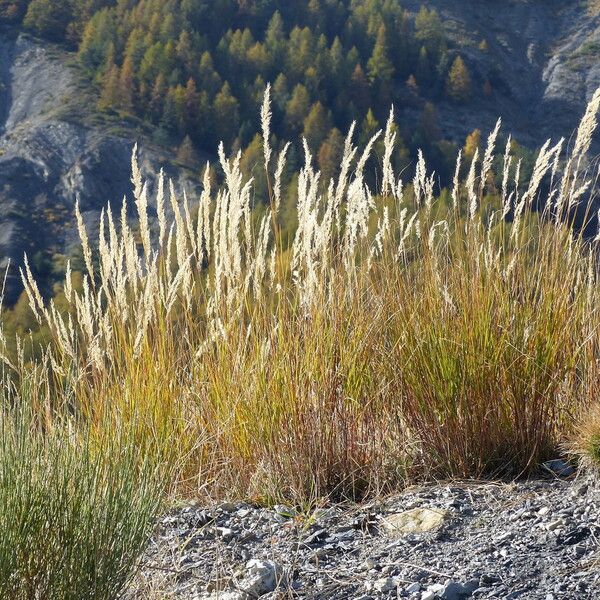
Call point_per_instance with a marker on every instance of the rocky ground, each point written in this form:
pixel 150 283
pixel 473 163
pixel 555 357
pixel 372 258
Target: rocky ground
pixel 530 540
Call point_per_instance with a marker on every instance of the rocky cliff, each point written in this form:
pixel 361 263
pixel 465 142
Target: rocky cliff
pixel 542 58
pixel 52 152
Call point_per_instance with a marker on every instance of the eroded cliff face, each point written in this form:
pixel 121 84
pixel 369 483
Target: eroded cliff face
pixel 50 155
pixel 542 58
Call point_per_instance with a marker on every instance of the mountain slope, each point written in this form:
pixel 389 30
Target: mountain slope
pixel 542 59
pixel 51 152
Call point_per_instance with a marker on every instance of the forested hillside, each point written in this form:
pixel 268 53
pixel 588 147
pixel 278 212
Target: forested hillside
pixel 82 80
pixel 197 69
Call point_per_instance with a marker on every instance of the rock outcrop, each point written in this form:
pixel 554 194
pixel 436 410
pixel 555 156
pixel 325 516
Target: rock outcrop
pixel 50 153
pixel 542 58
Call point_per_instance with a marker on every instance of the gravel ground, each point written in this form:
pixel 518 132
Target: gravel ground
pixel 536 539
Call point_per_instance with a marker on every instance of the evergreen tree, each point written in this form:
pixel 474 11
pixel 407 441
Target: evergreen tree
pixel 429 30
pixel 191 106
pixel 186 153
pixel 226 111
pixel 380 66
pixel 111 87
pixel 280 91
pixel 458 84
pixel 275 38
pixel 424 74
pixel 316 125
pixel 252 165
pixel 472 143
pixel 330 154
pixel 157 97
pixel 369 127
pixel 209 79
pixel 429 128
pixel 127 85
pixel 297 108
pixel 359 89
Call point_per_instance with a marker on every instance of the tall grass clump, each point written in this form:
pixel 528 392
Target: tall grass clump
pixel 398 335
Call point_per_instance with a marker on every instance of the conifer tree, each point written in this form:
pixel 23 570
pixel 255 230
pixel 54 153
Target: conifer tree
pixel 429 30
pixel 227 114
pixel 429 127
pixel 110 93
pixel 127 85
pixel 157 97
pixel 316 125
pixel 458 84
pixel 297 108
pixel 186 153
pixel 380 66
pixel 280 91
pixel 368 128
pixel 472 143
pixel 359 89
pixel 423 68
pixel 330 154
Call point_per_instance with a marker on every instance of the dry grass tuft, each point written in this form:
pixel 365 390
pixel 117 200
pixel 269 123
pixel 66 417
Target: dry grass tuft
pixel 585 442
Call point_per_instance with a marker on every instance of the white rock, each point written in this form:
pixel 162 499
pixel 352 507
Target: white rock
pixel 413 587
pixel 261 577
pixel 543 511
pixel 428 595
pixel 386 584
pixel 554 525
pixel 225 533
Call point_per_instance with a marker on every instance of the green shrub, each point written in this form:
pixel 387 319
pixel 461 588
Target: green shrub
pixel 74 515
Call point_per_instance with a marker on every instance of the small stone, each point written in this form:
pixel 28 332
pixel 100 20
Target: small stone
pixel 261 577
pixel 413 588
pixel 543 511
pixel 436 588
pixel 368 564
pixel 387 584
pixel 456 591
pixel 554 525
pixel 225 533
pixel 559 468
pixel 316 537
pixel 428 595
pixel 417 520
